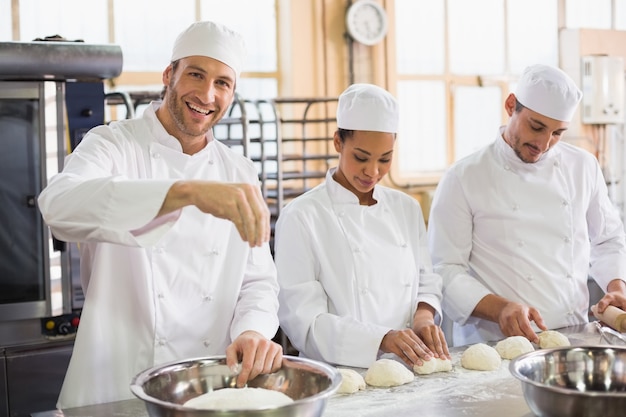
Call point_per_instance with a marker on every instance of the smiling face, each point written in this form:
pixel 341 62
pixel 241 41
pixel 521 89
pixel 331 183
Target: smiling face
pixel 199 91
pixel 529 133
pixel 364 159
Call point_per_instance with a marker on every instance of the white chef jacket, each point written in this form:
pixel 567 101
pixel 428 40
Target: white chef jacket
pixel 531 233
pixel 349 273
pixel 182 286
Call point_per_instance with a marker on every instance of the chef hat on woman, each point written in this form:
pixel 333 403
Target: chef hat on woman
pixel 548 91
pixel 212 40
pixel 367 107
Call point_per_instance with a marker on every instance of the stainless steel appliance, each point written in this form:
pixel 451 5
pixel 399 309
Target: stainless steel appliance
pixel 50 94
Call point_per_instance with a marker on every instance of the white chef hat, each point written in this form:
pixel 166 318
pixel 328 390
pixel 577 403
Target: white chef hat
pixel 367 107
pixel 212 40
pixel 548 91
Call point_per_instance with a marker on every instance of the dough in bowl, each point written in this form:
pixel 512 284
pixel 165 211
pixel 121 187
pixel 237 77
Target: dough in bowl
pixel 432 366
pixel 513 346
pixel 388 373
pixel 351 381
pixel 481 357
pixel 239 399
pixel 552 338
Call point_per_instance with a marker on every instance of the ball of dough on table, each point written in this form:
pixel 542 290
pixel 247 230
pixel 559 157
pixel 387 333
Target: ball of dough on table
pixel 351 381
pixel 388 373
pixel 481 357
pixel 432 366
pixel 552 338
pixel 513 346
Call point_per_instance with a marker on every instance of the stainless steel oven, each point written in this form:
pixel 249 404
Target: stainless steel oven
pixel 50 94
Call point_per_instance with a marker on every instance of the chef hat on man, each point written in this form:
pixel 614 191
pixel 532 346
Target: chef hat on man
pixel 367 107
pixel 548 91
pixel 212 40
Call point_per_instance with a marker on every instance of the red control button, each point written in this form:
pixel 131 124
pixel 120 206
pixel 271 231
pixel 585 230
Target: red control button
pixel 75 321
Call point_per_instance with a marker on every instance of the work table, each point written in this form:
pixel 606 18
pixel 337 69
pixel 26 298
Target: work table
pixel 460 392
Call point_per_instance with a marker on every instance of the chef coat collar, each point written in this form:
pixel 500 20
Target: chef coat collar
pixel 161 135
pixel 341 195
pixel 510 158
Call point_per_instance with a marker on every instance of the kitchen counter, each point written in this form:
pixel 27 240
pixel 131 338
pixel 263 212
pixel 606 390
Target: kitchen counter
pixel 460 392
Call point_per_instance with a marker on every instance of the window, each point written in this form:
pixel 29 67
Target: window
pixel 456 62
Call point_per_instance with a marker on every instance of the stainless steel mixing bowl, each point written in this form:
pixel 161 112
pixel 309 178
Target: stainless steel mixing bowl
pixel 165 388
pixel 574 381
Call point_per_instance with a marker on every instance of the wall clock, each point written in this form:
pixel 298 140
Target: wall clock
pixel 366 21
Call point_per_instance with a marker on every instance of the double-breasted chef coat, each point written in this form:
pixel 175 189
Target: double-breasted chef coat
pixel 349 273
pixel 532 233
pixel 184 285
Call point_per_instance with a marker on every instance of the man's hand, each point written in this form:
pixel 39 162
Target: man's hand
pixel 257 354
pixel 240 203
pixel 513 318
pixel 429 332
pixel 615 296
pixel 407 345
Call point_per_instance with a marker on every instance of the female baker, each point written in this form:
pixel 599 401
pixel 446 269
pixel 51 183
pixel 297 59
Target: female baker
pixel 355 275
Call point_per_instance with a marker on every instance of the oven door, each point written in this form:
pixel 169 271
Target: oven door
pixel 24 259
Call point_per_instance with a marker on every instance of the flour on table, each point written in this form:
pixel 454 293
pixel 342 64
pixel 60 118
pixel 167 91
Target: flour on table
pixel 432 366
pixel 388 373
pixel 481 357
pixel 552 338
pixel 351 381
pixel 239 399
pixel 513 346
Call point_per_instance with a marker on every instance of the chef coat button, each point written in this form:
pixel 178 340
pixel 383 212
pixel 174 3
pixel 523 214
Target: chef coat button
pixel 566 239
pixel 520 243
pixel 206 343
pixel 158 250
pixel 156 155
pixel 215 252
pixel 160 295
pixel 404 245
pixel 515 207
pixel 556 163
pixel 210 162
pixel 529 277
pixel 357 250
pixel 565 203
pixel 569 276
pixel 364 291
pixel 508 168
pixel 341 213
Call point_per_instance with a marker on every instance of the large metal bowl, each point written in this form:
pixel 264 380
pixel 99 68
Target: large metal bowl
pixel 165 388
pixel 580 381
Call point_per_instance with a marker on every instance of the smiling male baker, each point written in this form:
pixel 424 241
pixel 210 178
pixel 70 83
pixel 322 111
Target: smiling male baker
pixel 173 233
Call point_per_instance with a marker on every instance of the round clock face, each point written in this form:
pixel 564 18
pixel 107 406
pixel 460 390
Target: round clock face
pixel 366 21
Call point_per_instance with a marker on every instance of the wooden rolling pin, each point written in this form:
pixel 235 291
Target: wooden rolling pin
pixel 613 317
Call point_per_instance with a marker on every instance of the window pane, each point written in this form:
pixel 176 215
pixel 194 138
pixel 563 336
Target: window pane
pixel 422 133
pixel 5 21
pixel 477 116
pixel 257 25
pixel 147 43
pixel 536 46
pixel 620 14
pixel 592 14
pixel 420 44
pixel 476 36
pixel 39 19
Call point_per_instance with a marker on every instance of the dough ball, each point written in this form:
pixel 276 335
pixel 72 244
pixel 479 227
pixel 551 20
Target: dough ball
pixel 239 399
pixel 481 357
pixel 388 373
pixel 351 381
pixel 513 346
pixel 432 366
pixel 552 338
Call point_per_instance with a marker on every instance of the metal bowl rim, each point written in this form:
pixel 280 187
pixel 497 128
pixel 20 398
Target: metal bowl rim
pixel 136 388
pixel 514 365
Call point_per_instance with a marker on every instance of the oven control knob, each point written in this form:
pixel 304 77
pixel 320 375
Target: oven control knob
pixel 64 328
